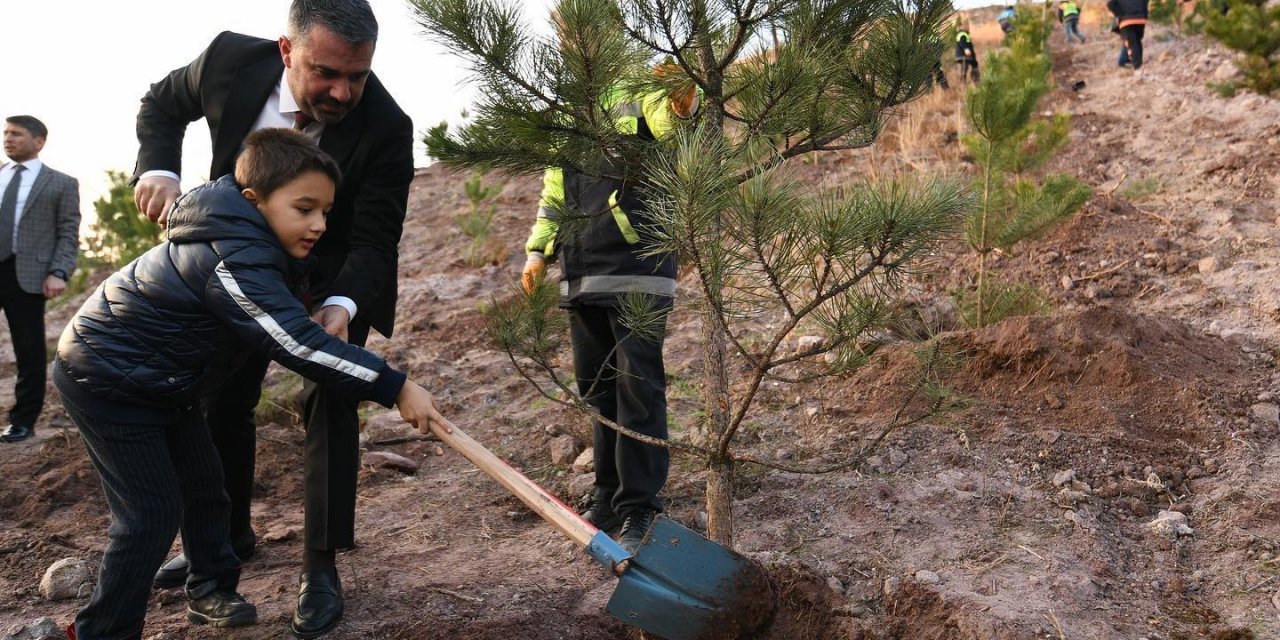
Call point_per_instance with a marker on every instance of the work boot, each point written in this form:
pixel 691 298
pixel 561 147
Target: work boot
pixel 223 608
pixel 599 512
pixel 634 528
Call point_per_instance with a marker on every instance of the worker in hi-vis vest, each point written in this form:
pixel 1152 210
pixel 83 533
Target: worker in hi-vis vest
pixel 966 57
pixel 1069 16
pixel 602 259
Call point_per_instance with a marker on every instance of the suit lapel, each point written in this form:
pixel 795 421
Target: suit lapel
pixel 249 92
pixel 41 181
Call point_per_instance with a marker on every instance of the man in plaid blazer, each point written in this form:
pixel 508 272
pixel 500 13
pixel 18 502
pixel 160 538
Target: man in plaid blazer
pixel 39 238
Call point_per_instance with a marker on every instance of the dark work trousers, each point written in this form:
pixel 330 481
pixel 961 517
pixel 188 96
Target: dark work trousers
pixel 160 473
pixel 1132 51
pixel 332 452
pixel 25 313
pixel 627 385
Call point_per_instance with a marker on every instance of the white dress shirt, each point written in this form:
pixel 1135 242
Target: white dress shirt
pixel 24 189
pixel 278 111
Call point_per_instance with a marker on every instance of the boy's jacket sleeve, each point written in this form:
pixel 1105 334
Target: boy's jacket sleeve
pixel 247 292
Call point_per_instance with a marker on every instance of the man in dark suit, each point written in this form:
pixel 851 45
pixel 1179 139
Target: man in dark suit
pixel 316 78
pixel 39 238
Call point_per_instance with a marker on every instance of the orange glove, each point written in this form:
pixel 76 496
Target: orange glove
pixel 535 269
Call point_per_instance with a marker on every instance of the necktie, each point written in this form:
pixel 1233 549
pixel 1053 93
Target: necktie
pixel 301 120
pixel 8 212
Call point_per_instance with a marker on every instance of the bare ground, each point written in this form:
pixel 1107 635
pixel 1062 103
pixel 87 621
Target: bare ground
pixel 1148 382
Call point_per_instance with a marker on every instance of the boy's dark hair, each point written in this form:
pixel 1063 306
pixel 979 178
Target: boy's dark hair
pixel 273 157
pixel 351 20
pixel 31 124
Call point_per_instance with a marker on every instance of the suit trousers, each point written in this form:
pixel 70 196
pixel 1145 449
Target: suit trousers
pixel 25 313
pixel 161 475
pixel 621 374
pixel 331 464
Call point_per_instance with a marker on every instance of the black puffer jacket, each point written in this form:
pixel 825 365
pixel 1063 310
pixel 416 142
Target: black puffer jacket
pixel 1128 9
pixel 169 326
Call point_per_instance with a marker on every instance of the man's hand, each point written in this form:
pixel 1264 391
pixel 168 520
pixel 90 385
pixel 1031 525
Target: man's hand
pixel 154 196
pixel 53 286
pixel 335 320
pixel 535 269
pixel 418 408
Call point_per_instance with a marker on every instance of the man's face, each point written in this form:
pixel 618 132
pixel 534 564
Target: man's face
pixel 326 73
pixel 296 211
pixel 19 144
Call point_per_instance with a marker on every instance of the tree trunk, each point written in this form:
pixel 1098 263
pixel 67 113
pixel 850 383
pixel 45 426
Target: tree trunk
pixel 720 502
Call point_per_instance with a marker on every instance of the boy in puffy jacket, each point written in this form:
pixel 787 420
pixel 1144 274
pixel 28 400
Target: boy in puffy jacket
pixel 134 362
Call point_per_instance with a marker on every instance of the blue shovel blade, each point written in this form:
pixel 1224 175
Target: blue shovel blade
pixel 681 586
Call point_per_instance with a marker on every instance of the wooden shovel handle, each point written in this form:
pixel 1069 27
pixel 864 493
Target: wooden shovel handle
pixel 544 504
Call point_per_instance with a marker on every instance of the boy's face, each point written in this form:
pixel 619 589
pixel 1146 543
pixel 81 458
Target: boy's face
pixel 296 211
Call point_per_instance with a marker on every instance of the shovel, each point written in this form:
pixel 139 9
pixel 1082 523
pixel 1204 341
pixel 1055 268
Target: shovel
pixel 678 585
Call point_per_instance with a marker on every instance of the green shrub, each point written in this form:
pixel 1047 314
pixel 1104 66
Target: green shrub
pixel 1251 27
pixel 120 233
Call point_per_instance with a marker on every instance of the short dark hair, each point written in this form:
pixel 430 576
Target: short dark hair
pixel 351 20
pixel 31 124
pixel 273 157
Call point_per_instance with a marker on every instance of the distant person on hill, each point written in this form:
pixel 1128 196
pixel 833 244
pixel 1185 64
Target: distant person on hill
pixel 317 78
pixel 966 57
pixel 1131 21
pixel 1069 16
pixel 1005 19
pixel 134 362
pixel 938 76
pixel 39 239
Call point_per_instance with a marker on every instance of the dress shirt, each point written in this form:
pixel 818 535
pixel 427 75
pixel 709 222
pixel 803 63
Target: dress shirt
pixel 33 167
pixel 278 111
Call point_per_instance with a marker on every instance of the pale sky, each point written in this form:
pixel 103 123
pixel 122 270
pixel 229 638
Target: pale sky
pixel 82 66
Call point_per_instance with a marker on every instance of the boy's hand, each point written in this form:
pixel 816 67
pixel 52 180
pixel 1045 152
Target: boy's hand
pixel 418 408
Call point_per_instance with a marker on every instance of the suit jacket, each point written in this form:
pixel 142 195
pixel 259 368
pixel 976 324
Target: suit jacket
pixel 49 231
pixel 228 84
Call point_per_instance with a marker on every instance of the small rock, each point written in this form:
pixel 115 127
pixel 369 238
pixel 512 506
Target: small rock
pixel 1138 508
pixel 582 485
pixel 1067 283
pixel 701 520
pixel 1052 401
pixel 812 412
pixel 586 462
pixel 1266 412
pixel 66 578
pixel 1064 477
pixel 1208 264
pixel 835 585
pixel 564 450
pixel 784 454
pixel 805 344
pixel 552 429
pixel 388 460
pixel 280 533
pixel 1170 524
pixel 40 629
pixel 891 585
pixel 928 577
pixel 1275 599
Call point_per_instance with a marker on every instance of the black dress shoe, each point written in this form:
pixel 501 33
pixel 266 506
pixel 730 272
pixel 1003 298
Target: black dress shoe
pixel 319 603
pixel 223 609
pixel 17 433
pixel 173 573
